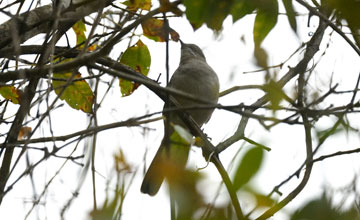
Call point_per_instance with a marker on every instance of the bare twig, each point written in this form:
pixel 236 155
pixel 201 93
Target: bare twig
pixel 311 48
pixel 328 22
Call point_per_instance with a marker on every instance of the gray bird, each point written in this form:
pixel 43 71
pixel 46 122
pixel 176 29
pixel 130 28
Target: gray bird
pixel 196 77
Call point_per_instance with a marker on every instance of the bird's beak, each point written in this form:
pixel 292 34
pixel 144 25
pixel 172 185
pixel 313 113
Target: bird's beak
pixel 182 43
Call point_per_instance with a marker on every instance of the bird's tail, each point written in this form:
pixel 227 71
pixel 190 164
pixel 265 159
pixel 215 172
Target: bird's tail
pixel 167 162
pixel 154 175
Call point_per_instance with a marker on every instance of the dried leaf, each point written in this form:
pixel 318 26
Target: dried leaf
pixel 154 29
pixel 24 132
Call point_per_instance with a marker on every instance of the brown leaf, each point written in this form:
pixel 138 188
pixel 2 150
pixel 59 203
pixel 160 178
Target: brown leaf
pixel 24 133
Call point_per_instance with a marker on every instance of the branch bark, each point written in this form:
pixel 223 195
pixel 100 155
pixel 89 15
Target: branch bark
pixel 37 21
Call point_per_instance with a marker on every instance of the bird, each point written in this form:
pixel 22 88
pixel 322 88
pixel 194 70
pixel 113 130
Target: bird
pixel 193 76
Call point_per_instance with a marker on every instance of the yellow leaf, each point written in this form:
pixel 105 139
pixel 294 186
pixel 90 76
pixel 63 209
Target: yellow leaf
pixel 11 93
pixel 79 28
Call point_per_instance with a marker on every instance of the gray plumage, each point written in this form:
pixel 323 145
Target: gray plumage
pixel 196 77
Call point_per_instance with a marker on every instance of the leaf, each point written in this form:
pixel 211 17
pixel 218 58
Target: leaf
pixel 11 93
pixel 166 6
pixel 261 56
pixel 24 132
pixel 121 164
pixel 195 12
pixel 275 94
pixel 77 94
pixel 154 29
pixel 217 13
pixel 174 35
pixel 79 28
pixel 322 135
pixel 134 5
pixel 256 144
pixel 348 10
pixel 240 8
pixel 290 14
pixel 265 20
pixel 323 208
pixel 248 167
pixel 211 12
pixel 261 199
pixel 92 47
pixel 138 58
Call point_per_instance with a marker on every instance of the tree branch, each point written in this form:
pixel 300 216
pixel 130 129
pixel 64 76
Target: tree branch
pixel 311 48
pixel 328 22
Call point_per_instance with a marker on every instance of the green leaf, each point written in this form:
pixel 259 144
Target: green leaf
pixel 217 13
pixel 79 28
pixel 261 199
pixel 240 8
pixel 256 144
pixel 348 10
pixel 138 58
pixel 77 94
pixel 211 12
pixel 127 87
pixel 290 14
pixel 195 12
pixel 248 167
pixel 275 94
pixel 261 56
pixel 265 20
pixel 323 208
pixel 322 135
pixel 11 93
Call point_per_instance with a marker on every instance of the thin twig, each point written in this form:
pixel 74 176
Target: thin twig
pixel 328 22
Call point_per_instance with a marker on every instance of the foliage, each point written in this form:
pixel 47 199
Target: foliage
pixel 138 58
pixel 248 167
pixel 321 208
pixel 39 81
pixel 77 94
pixel 11 93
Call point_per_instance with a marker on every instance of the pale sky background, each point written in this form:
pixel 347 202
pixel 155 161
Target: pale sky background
pixel 230 58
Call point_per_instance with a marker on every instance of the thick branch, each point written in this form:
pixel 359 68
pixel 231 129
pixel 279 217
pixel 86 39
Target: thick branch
pixel 39 20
